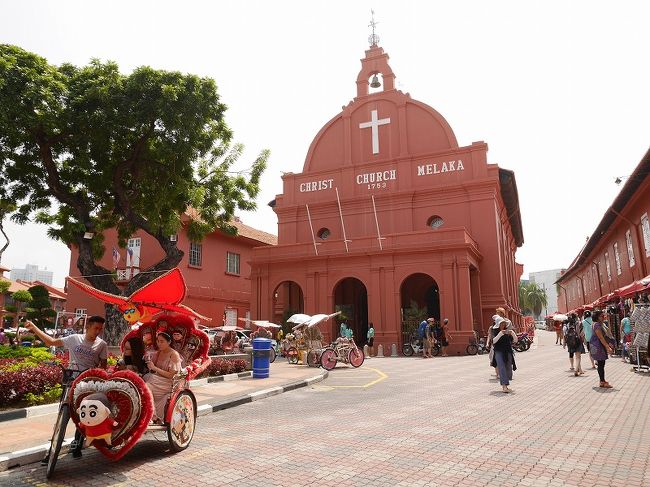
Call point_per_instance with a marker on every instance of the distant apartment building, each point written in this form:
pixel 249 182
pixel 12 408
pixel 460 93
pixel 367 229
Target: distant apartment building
pixel 31 273
pixel 546 280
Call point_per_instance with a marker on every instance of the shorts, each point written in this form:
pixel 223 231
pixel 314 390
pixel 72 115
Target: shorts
pixel 444 343
pixel 371 341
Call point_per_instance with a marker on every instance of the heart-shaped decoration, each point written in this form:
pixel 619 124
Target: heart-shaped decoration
pixel 131 405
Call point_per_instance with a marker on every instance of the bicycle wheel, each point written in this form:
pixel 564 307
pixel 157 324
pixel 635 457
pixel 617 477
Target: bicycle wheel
pixel 180 429
pixel 471 349
pixel 356 357
pixel 57 439
pixel 292 355
pixel 272 356
pixel 328 359
pixel 407 350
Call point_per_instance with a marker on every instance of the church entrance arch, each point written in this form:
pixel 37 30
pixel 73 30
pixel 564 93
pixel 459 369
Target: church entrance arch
pixel 420 299
pixel 351 298
pixel 287 300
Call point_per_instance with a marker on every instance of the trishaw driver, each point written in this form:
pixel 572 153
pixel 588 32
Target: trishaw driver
pixel 87 351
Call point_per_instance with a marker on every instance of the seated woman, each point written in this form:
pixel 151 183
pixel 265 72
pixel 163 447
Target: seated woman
pixel 133 355
pixel 163 365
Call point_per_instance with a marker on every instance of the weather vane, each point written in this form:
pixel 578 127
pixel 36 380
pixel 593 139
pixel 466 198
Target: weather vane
pixel 373 39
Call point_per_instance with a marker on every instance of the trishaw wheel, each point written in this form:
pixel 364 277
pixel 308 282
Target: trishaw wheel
pixel 407 350
pixel 180 429
pixel 292 355
pixel 312 358
pixel 57 439
pixel 356 357
pixel 272 356
pixel 328 359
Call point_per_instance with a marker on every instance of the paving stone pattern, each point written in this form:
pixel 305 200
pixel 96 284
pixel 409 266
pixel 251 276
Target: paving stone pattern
pixel 440 421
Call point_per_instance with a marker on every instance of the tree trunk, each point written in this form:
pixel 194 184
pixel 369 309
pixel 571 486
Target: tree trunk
pixel 2 251
pixel 116 326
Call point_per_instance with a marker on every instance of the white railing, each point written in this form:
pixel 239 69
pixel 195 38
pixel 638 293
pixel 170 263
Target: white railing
pixel 127 274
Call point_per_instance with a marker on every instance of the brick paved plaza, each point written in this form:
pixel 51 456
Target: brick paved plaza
pixel 407 421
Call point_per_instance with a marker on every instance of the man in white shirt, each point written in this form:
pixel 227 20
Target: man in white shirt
pixel 87 351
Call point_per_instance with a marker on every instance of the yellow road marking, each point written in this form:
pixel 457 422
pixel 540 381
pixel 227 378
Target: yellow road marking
pixel 382 376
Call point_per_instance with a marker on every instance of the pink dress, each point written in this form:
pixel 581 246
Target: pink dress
pixel 160 386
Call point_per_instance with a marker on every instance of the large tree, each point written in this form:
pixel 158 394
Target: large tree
pixel 40 308
pixel 83 149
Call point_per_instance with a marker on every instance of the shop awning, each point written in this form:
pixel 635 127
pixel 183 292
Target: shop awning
pixel 635 287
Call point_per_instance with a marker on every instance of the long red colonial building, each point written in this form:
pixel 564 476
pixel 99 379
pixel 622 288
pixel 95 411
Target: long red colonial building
pixel 615 260
pixel 389 213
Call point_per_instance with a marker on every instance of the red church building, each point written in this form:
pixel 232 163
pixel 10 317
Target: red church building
pixel 390 212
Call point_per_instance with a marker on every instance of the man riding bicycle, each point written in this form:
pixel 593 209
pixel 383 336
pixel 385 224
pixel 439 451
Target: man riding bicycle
pixel 87 351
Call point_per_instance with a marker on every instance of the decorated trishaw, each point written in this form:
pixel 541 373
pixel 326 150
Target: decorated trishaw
pixel 305 343
pixel 115 408
pixel 263 331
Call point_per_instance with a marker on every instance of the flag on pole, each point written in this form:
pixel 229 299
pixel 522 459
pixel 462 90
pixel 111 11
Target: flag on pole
pixel 129 257
pixel 116 258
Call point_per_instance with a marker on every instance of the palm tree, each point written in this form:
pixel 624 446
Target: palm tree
pixel 536 298
pixel 523 299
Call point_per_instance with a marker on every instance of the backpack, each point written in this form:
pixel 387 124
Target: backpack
pixel 422 329
pixel 571 336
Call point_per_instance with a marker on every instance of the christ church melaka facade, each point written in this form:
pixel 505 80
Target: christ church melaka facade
pixel 390 217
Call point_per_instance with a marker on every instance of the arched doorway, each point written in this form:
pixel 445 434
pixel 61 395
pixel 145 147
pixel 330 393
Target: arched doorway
pixel 420 299
pixel 287 300
pixel 351 298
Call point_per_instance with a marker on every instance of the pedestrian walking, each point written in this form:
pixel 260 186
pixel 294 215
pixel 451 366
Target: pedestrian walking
pixel 445 337
pixel 626 339
pixel 502 340
pixel 587 331
pixel 574 345
pixel 600 347
pixel 371 339
pixel 558 331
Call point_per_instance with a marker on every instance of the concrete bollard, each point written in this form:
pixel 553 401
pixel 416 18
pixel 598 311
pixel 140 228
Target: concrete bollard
pixel 393 350
pixel 365 351
pixel 380 350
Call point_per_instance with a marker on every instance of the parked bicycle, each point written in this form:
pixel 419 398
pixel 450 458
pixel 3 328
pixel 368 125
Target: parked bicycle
pixel 342 350
pixel 476 345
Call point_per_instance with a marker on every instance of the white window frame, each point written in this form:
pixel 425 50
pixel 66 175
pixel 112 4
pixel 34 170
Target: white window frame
pixel 645 227
pixel 609 268
pixel 235 267
pixel 617 258
pixel 231 316
pixel 78 312
pixel 630 248
pixel 195 257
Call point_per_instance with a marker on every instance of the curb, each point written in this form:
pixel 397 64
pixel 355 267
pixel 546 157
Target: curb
pixel 44 409
pixel 36 453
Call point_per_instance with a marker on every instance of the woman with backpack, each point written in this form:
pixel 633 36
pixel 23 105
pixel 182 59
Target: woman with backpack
pixel 600 347
pixel 574 345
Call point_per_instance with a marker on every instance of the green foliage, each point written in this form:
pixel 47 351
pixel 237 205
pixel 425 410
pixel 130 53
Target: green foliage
pixel 4 286
pixel 532 298
pixel 125 151
pixel 51 394
pixel 22 296
pixel 40 308
pixel 413 316
pixel 37 354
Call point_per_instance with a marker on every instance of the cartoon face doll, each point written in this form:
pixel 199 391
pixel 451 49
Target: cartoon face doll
pixel 95 420
pixel 133 313
pixel 177 340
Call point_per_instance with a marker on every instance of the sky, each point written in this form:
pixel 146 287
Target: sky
pixel 559 90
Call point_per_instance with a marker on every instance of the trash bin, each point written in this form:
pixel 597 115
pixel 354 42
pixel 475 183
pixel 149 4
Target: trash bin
pixel 261 357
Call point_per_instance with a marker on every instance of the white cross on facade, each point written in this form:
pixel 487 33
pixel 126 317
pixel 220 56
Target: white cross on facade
pixel 374 125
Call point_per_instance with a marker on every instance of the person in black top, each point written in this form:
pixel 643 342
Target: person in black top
pixel 502 339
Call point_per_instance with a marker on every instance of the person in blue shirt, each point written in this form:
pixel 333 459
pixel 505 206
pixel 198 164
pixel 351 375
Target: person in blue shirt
pixel 626 325
pixel 371 339
pixel 344 330
pixel 586 332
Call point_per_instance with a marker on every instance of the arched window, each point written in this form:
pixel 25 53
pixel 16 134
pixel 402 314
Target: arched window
pixel 435 221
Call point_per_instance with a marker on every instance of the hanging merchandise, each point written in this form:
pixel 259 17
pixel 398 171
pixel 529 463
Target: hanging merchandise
pixel 641 328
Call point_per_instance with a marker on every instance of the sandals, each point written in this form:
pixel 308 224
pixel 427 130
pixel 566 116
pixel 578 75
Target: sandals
pixel 605 385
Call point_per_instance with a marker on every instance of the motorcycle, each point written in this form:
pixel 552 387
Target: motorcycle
pixel 415 346
pixel 524 341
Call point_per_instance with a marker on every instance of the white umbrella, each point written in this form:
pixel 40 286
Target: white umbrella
pixel 560 317
pixel 265 324
pixel 299 318
pixel 227 328
pixel 319 318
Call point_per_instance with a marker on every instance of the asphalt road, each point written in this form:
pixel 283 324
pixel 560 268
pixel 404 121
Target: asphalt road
pixel 407 421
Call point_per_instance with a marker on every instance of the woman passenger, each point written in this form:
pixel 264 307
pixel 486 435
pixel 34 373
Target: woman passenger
pixel 163 366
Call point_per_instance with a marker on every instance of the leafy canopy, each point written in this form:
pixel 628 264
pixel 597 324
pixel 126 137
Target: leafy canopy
pixel 83 149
